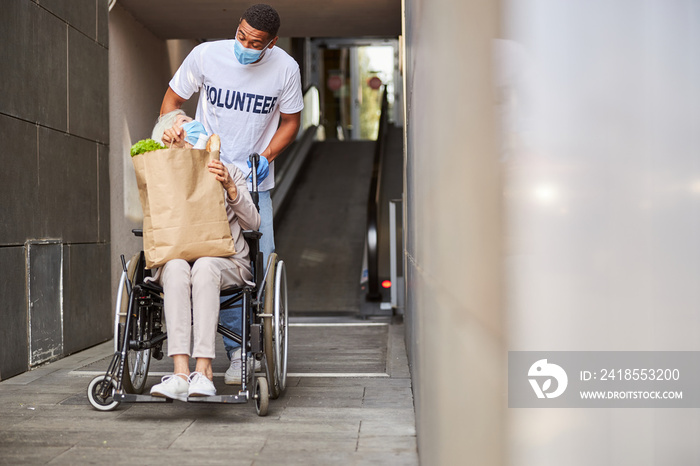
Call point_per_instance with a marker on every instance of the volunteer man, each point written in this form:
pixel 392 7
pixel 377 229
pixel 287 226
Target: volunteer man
pixel 250 95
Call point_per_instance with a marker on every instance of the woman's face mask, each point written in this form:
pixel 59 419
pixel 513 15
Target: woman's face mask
pixel 245 55
pixel 195 134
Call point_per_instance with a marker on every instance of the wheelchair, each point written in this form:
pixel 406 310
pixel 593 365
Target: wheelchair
pixel 139 333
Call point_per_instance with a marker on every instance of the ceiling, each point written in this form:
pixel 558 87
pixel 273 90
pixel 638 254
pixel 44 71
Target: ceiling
pixel 217 19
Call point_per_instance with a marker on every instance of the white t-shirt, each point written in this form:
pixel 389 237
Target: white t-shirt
pixel 240 103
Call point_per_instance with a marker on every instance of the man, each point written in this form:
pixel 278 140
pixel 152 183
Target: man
pixel 250 95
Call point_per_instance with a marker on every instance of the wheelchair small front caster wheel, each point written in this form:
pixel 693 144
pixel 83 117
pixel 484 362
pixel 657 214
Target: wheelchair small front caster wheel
pixel 262 396
pixel 101 393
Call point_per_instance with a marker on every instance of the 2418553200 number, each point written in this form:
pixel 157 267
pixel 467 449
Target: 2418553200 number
pixel 640 374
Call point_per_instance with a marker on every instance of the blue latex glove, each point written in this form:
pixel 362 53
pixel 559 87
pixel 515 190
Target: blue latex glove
pixel 263 169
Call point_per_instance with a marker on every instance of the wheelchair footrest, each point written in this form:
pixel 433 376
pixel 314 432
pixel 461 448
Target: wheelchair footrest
pixel 131 398
pixel 218 399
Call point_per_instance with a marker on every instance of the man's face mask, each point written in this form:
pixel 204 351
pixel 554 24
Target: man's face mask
pixel 245 55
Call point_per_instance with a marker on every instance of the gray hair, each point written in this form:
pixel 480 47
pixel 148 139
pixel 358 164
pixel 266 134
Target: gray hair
pixel 165 122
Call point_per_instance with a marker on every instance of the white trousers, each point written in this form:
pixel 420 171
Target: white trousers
pixel 192 302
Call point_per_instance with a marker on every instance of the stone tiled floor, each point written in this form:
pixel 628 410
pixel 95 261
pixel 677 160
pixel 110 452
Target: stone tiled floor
pixel 45 417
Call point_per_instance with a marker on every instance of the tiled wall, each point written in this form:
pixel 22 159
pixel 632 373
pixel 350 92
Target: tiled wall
pixel 54 181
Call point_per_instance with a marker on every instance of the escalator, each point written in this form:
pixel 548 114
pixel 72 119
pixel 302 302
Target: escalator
pixel 332 221
pixel 321 232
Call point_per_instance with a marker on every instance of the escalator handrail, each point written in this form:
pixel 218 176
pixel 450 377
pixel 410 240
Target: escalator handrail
pixel 296 155
pixel 282 192
pixel 373 292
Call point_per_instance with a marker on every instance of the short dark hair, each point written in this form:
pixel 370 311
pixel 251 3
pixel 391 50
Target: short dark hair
pixel 263 18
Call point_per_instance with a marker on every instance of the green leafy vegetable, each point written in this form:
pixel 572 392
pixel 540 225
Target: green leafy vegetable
pixel 145 145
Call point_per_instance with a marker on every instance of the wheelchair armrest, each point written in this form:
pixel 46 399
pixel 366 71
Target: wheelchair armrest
pixel 137 232
pixel 149 285
pixel 252 234
pixel 252 237
pixel 230 291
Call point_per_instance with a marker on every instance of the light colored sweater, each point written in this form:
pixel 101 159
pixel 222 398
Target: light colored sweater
pixel 242 215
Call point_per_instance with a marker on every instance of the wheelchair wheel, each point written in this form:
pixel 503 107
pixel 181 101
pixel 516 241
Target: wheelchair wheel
pixel 262 397
pixel 280 326
pixel 137 361
pixel 268 325
pixel 100 399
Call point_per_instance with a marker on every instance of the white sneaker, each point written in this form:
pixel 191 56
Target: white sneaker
pixel 200 385
pixel 172 386
pixel 233 373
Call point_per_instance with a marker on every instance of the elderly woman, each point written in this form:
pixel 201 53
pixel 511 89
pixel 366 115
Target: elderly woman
pixel 191 289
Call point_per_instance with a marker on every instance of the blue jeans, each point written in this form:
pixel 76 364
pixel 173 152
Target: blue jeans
pixel 231 318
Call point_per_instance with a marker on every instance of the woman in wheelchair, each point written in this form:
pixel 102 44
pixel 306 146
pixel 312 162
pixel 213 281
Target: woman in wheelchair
pixel 191 290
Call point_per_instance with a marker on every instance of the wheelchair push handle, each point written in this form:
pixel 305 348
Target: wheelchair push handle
pixel 254 161
pixel 124 268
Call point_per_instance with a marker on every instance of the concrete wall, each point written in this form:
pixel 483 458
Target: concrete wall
pixel 141 66
pixel 453 232
pixel 589 180
pixel 603 202
pixel 54 184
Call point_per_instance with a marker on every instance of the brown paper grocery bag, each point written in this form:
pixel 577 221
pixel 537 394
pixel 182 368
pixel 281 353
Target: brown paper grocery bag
pixel 184 211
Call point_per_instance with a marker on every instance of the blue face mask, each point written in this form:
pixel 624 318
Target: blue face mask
pixel 195 134
pixel 245 55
